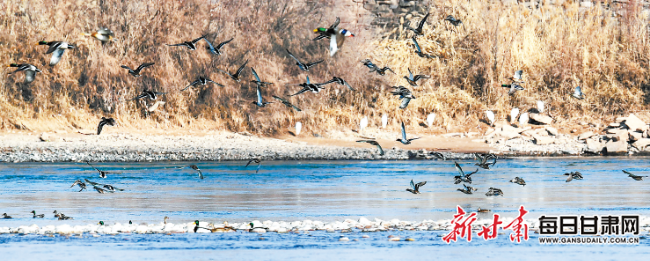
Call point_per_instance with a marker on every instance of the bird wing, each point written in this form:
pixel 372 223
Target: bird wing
pixel 224 43
pixel 307 79
pixel 304 89
pixel 258 167
pixel 333 45
pixel 518 74
pixel 200 174
pixel 53 47
pixel 126 67
pixel 221 85
pixel 422 22
pixel 280 99
pixel 569 178
pixel 180 44
pixel 578 91
pixel 470 174
pixel 257 78
pixel 198 39
pixel 410 75
pixel 405 103
pixel 294 57
pixel 417 46
pixel 249 162
pixel 29 76
pixel 348 85
pixel 100 126
pixel 420 184
pixel 403 132
pixel 460 170
pixel 191 84
pixel 412 185
pixel 56 56
pixel 210 47
pixel 381 151
pixel 144 65
pixel 259 95
pixel 336 23
pixel 241 68
pixel 314 63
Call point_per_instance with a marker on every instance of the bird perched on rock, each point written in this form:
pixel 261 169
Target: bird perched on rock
pixel 102 174
pixel 339 81
pixel 483 160
pixel 37 216
pixel 201 81
pixel 462 177
pixel 415 187
pixel 519 181
pixel 286 103
pixel 56 48
pixel 103 34
pixel 412 80
pixel 80 183
pixel 105 121
pixel 374 142
pixel 216 50
pixel 467 189
pixel 30 71
pixel 418 30
pixel 257 161
pixel 404 94
pixel 573 175
pixel 418 50
pixel 577 93
pixel 136 72
pixel 194 167
pixel 189 44
pixel 404 140
pixel 494 192
pixel 303 66
pixel 237 75
pixel 634 177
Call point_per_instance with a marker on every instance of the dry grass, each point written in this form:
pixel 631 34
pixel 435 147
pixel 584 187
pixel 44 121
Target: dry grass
pixel 558 47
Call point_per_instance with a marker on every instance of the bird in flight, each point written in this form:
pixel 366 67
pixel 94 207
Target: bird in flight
pixel 415 187
pixel 189 44
pixel 287 103
pixel 463 177
pixel 216 50
pixel 257 161
pixel 404 140
pixel 374 142
pixel 201 81
pixel 102 174
pixel 105 121
pixel 136 72
pixel 237 75
pixel 303 66
pixel 418 30
pixel 30 71
pixel 483 160
pixel 56 48
pixel 634 177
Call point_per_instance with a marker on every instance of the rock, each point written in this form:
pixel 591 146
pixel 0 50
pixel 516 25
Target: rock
pixel 613 131
pixel 594 146
pixel 44 137
pixel 634 123
pixel 509 134
pixel 586 135
pixel 622 135
pixel 551 131
pixel 614 125
pixel 541 140
pixel 616 147
pixel 634 136
pixel 541 119
pixel 641 144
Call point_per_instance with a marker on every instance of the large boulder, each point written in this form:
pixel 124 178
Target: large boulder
pixel 634 123
pixel 541 119
pixel 543 140
pixel 616 147
pixel 594 146
pixel 586 135
pixel 552 131
pixel 634 136
pixel 641 144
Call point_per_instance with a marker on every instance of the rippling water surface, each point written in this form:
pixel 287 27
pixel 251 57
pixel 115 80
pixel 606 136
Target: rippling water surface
pixel 316 190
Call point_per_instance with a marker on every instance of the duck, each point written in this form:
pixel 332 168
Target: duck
pixel 482 210
pixel 577 93
pixel 102 174
pixel 5 216
pixel 286 103
pixel 257 161
pixel 634 177
pixel 382 71
pixel 257 80
pixel 236 75
pixel 30 71
pixel 194 167
pixel 257 228
pixel 197 227
pixel 404 140
pixel 483 160
pixel 467 189
pixel 453 20
pixel 303 66
pixel 494 192
pixel 573 175
pixel 463 177
pixel 415 187
pixel 307 86
pixel 37 216
pixel 412 80
pixel 101 188
pixel 80 183
pixel 339 81
pixel 61 216
pixel 418 30
pixel 327 32
pixel 103 34
pixel 136 72
pixel 518 76
pixel 201 81
pixel 374 142
pixel 260 100
pixel 189 44
pixel 216 50
pixel 439 155
pixel 404 94
pixel 519 181
pixel 514 87
pixel 56 48
pixel 151 95
pixel 101 223
pixel 336 36
pixel 418 50
pixel 105 121
pixel 369 64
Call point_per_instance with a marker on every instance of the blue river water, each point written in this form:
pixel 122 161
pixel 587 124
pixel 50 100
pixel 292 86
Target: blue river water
pixel 316 190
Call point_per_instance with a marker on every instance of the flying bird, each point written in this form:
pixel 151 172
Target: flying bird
pixel 236 76
pixel 415 187
pixel 308 86
pixel 404 94
pixel 103 34
pixel 30 71
pixel 105 121
pixel 336 36
pixel 467 189
pixel 483 160
pixel 136 72
pixel 514 87
pixel 519 181
pixel 494 192
pixel 634 177
pixel 56 48
pixel 189 44
pixel 82 185
pixel 517 77
pixel 303 66
pixel 382 71
pixel 151 95
pixel 257 161
pixel 101 188
pixel 216 50
pixel 102 174
pixel 374 142
pixel 327 32
pixel 412 80
pixel 194 167
pixel 573 175
pixel 577 93
pixel 201 81
pixel 260 100
pixel 287 103
pixel 370 65
pixel 404 140
pixel 418 50
pixel 453 20
pixel 418 30
pixel 257 79
pixel 463 177
pixel 339 81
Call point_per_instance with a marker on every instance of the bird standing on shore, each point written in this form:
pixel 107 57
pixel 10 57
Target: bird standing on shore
pixel 303 66
pixel 136 72
pixel 56 48
pixel 189 44
pixel 257 161
pixel 418 30
pixel 374 142
pixel 105 121
pixel 237 75
pixel 634 177
pixel 37 216
pixel 30 71
pixel 404 140
pixel 216 50
pixel 103 34
pixel 415 187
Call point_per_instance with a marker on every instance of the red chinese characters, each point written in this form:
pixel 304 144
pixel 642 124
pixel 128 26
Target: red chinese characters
pixel 462 226
pixel 492 228
pixel 517 226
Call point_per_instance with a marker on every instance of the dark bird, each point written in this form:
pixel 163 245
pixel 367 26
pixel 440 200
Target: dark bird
pixel 260 100
pixel 418 30
pixel 61 216
pixel 257 79
pixel 56 48
pixel 634 177
pixel 577 93
pixel 201 81
pixel 103 34
pixel 307 86
pixel 37 216
pixel 404 94
pixel 105 121
pixel 30 71
pixel 404 140
pixel 467 190
pixel 301 65
pixel 194 167
pixel 327 32
pixel 573 175
pixel 514 87
pixel 216 50
pixel 415 187
pixel 439 155
pixel 189 44
pixel 370 65
pixel 482 210
pixel 80 183
pixel 235 76
pixel 136 72
pixel 287 103
pixel 5 216
pixel 483 160
pixel 412 80
pixel 374 142
pixel 340 82
pixel 197 227
pixel 101 188
pixel 259 164
pixel 102 174
pixel 151 95
pixel 418 50
pixel 494 192
pixel 453 20
pixel 463 177
pixel 382 71
pixel 519 181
